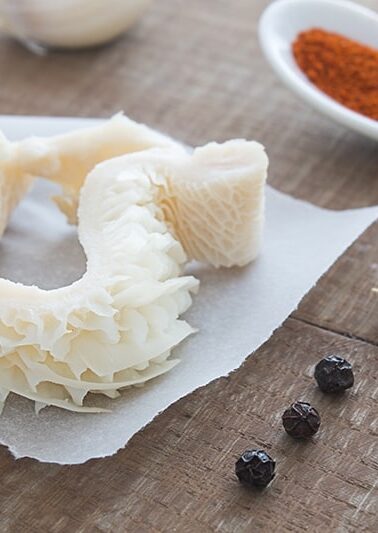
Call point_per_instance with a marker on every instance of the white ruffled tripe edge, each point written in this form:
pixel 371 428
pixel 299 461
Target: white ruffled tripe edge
pixel 236 310
pixel 117 325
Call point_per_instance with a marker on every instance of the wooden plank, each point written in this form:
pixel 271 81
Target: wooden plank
pixel 177 474
pixel 343 299
pixel 199 89
pixel 194 70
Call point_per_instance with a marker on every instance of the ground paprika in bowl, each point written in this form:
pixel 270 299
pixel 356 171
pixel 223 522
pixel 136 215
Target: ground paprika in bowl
pixel 344 69
pixel 336 67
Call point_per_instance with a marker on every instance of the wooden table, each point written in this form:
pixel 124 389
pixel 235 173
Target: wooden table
pixel 194 70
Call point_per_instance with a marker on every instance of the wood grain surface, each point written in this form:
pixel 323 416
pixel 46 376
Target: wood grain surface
pixel 194 70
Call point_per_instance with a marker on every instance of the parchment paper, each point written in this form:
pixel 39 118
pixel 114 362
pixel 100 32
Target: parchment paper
pixel 236 310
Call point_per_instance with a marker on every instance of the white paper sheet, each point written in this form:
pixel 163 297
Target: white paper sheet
pixel 236 310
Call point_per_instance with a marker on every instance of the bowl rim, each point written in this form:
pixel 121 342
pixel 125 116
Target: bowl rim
pixel 296 80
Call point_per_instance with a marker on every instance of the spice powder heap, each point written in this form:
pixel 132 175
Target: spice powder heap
pixel 343 69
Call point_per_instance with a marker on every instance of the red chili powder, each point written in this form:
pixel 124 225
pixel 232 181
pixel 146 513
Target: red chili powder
pixel 344 69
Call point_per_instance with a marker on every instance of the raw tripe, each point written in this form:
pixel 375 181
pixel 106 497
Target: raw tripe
pixel 141 216
pixel 67 159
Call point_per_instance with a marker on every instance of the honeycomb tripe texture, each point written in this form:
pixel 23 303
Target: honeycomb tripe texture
pixel 117 325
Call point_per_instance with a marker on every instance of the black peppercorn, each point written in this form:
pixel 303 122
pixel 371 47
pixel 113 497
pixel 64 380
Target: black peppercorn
pixel 301 420
pixel 255 468
pixel 334 374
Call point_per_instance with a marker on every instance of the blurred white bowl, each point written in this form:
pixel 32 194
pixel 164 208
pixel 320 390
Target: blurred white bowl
pixel 284 19
pixel 69 23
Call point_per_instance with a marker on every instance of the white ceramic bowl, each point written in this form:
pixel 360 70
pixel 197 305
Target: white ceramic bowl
pixel 68 23
pixel 284 19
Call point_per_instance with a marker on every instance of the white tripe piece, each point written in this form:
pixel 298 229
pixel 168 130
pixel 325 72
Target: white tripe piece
pixel 13 184
pixel 116 326
pixel 67 159
pixel 217 202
